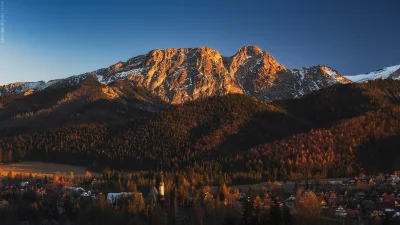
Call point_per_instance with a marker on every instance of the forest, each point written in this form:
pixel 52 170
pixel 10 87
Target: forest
pixel 339 131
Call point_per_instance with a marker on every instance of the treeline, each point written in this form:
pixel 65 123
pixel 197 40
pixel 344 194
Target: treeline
pixel 184 202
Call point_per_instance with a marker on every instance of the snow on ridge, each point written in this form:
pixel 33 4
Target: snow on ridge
pixel 21 87
pixel 100 79
pixel 125 74
pixel 49 83
pixel 301 72
pixel 118 76
pixel 385 72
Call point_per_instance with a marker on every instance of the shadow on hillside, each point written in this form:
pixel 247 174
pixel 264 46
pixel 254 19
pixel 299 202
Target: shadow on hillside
pixel 380 155
pixel 75 113
pixel 338 102
pixel 266 127
pixel 34 102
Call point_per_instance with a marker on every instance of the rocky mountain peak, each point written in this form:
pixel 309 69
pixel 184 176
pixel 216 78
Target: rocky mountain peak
pixel 117 66
pixel 178 75
pixel 250 50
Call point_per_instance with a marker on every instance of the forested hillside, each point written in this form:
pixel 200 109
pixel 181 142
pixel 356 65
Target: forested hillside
pixel 337 131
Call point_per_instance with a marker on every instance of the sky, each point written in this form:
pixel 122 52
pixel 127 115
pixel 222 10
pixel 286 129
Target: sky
pixel 49 39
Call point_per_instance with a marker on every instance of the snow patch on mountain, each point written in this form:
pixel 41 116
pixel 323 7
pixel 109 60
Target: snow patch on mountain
pixel 385 73
pixel 100 79
pixel 21 87
pixel 301 73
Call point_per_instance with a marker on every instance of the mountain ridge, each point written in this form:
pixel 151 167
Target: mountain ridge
pixel 390 72
pixel 179 75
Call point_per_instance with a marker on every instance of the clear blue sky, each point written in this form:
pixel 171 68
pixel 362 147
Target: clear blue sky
pixel 47 39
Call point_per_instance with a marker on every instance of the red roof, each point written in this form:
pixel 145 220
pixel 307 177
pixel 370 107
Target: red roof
pixel 351 212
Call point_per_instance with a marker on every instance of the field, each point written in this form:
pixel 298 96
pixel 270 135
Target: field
pixel 42 169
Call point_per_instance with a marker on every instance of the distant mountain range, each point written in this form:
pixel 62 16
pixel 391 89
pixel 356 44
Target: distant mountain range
pixel 186 74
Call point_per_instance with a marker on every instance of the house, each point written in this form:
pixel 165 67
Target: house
pixel 352 213
pixel 78 190
pixel 113 197
pixel 242 196
pixel 396 216
pixel 341 212
pixel 87 195
pixel 336 182
pixel 388 197
pixel 41 192
pixel 394 179
pixel 378 213
pixel 24 184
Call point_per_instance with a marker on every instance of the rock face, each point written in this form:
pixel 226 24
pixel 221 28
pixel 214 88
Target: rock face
pixel 179 75
pixel 395 75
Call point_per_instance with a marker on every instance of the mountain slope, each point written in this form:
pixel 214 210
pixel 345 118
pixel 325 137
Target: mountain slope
pixel 331 151
pixel 234 133
pixel 392 72
pixel 88 102
pixel 344 101
pixel 180 75
pixel 182 134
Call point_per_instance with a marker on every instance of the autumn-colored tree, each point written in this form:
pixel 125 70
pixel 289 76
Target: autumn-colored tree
pixel 307 208
pixel 88 175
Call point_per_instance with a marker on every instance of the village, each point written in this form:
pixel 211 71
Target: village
pixel 357 200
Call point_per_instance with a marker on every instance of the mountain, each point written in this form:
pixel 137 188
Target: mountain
pixel 180 75
pixel 246 115
pixel 392 72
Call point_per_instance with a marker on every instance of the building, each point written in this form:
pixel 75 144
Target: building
pixel 161 189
